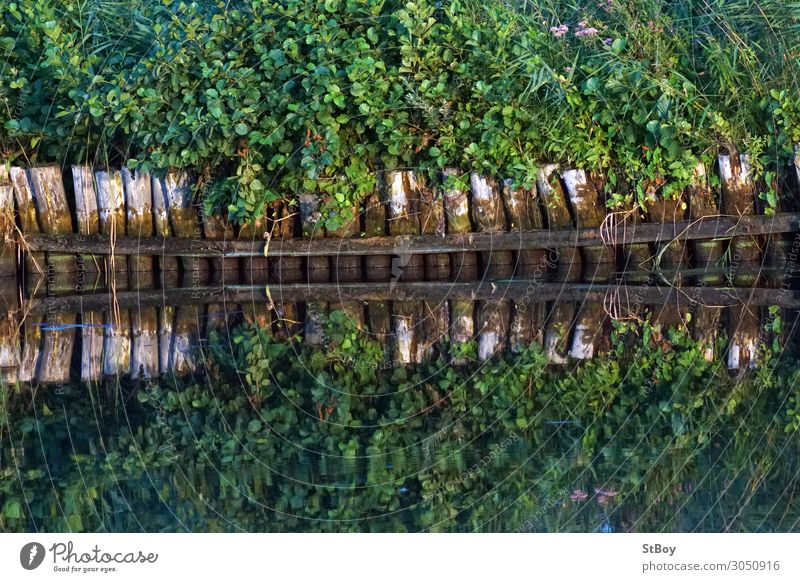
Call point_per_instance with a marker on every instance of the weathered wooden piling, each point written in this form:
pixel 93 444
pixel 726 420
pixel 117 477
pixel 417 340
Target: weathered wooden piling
pixel 166 337
pixel 8 250
pixel 139 213
pixel 284 269
pixel 489 216
pixel 704 203
pixel 705 324
pixel 314 323
pixel 10 349
pixel 525 327
pixel 589 209
pixel 144 357
pixel 406 317
pixel 255 269
pixel 435 326
pixel 168 266
pixel 111 207
pixel 219 228
pixel 402 201
pixel 317 268
pixel 556 213
pixel 556 337
pixel 186 222
pixel 524 213
pixel 464 266
pixel 738 199
pixel 432 222
pixel 493 318
pixel 462 330
pixel 377 268
pixel 185 350
pixel 346 268
pixel 57 345
pixel 91 269
pixel 379 318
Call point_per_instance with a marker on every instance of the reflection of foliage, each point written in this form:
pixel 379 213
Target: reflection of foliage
pixel 285 437
pixel 266 98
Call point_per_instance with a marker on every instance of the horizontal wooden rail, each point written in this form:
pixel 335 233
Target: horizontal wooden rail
pixel 703 228
pixel 518 290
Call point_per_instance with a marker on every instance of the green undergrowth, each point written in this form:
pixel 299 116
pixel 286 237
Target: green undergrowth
pixel 265 100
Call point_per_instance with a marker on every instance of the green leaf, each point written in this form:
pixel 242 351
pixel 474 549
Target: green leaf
pixel 241 129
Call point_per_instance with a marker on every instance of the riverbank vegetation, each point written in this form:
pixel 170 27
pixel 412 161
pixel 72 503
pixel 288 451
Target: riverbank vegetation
pixel 265 100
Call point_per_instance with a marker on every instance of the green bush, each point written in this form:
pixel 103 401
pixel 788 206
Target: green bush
pixel 268 99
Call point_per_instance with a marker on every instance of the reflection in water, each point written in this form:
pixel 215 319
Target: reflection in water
pixel 408 416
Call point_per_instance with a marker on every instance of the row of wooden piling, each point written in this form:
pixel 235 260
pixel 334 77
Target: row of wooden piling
pixel 131 204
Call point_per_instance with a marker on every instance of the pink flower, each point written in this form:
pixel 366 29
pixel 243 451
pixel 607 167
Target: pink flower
pixel 578 495
pixel 586 32
pixel 559 31
pixel 608 41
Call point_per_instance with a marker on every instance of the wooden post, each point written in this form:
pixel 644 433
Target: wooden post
pixel 379 319
pixel 705 328
pixel 432 222
pixel 402 201
pixel 166 338
pixel 255 269
pixel 314 323
pixel 139 212
pixel 525 328
pixel 408 349
pixel 489 216
pixel 556 212
pixel 738 199
pixel 317 268
pixel 704 203
pixel 346 268
pixel 378 268
pixel 522 208
pixel 456 207
pixel 284 269
pixel 168 266
pixel 55 218
pixel 185 222
pixel 111 206
pixel 8 258
pixel 186 340
pixel 436 325
pixel 34 265
pixel 493 319
pixel 589 209
pixel 31 348
pixel 224 271
pixel 91 276
pixel 10 354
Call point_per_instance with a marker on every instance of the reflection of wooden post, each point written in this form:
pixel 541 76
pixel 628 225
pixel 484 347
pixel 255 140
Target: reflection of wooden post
pixel 556 337
pixel 378 268
pixel 489 216
pixel 91 346
pixel 435 325
pixel 10 356
pixel 703 203
pixel 589 209
pixel 744 329
pixel 456 208
pixel 432 222
pixel 8 258
pixel 407 346
pixel 493 319
pixel 90 270
pixel 588 332
pixel 186 341
pixel 402 200
pixel 117 344
pixel 166 336
pixel 30 351
pixel 705 328
pixel 558 217
pixel 9 336
pixel 59 340
pixel 317 268
pixel 526 324
pixel 380 324
pixel 111 205
pixel 139 212
pixel 462 316
pixel 523 211
pixel 314 323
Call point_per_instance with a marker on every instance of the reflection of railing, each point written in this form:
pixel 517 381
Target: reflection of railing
pixel 145 338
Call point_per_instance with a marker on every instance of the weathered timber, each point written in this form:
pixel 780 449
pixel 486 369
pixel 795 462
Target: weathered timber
pixel 117 343
pixel 744 331
pixel 346 268
pixel 464 266
pixel 162 227
pixel 92 327
pixel 184 355
pixel 139 214
pixel 556 336
pixel 432 222
pixel 35 262
pixel 402 202
pixel 493 318
pixel 704 205
pixel 489 217
pixel 738 199
pixel 8 250
pixel 111 206
pixel 216 227
pixel 91 275
pixel 377 267
pixel 145 353
pixel 588 332
pixel 285 268
pixel 589 210
pixel 57 345
pixel 558 218
pixel 255 269
pixel 524 214
pixel 317 268
pixel 462 316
